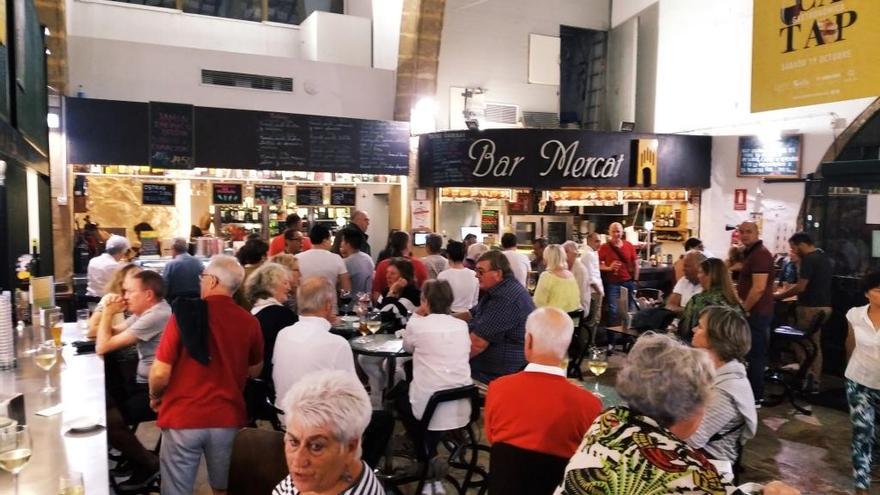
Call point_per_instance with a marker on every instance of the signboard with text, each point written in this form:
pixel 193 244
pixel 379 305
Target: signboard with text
pixel 806 52
pixel 769 157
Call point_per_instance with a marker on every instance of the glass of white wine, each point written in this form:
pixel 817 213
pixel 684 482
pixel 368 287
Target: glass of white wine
pixel 72 484
pixel 597 363
pixel 15 450
pixel 374 321
pixel 46 356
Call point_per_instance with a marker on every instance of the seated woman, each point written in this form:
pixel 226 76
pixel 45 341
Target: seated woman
pixel 113 288
pixel 401 297
pixel 267 289
pixel 666 385
pixel 730 418
pixel 440 345
pixel 290 262
pixel 717 291
pixel 327 413
pixel 557 286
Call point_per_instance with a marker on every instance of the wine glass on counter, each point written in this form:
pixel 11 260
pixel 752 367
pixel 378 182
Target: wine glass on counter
pixel 15 450
pixel 374 321
pixel 45 357
pixel 72 484
pixel 597 362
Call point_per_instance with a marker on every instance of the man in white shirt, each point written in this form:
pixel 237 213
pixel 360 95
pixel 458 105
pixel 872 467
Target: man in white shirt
pixel 689 285
pixel 519 263
pixel 101 268
pixel 320 262
pixel 580 273
pixel 590 260
pixel 308 345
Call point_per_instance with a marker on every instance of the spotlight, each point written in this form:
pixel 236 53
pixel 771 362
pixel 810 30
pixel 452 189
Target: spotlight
pixel 473 124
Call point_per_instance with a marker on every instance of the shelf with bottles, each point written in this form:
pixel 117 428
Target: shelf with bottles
pixel 670 217
pixel 241 215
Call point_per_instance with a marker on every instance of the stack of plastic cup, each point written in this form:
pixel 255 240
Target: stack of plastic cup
pixel 7 344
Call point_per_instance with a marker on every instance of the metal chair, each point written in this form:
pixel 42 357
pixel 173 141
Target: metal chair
pixel 258 397
pixel 578 345
pixel 790 380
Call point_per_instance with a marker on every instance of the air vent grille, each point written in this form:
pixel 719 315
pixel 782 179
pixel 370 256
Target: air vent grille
pixel 541 120
pixel 247 81
pixel 501 113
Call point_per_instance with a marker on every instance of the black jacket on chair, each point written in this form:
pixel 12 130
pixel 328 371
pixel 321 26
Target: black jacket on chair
pixel 516 471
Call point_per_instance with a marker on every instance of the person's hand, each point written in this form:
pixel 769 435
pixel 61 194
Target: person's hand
pixel 397 287
pixel 780 488
pixel 115 304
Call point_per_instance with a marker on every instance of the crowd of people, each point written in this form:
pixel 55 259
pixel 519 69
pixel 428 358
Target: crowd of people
pixel 193 337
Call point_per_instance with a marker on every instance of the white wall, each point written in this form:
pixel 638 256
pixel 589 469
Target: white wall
pixel 708 92
pixel 141 72
pixel 486 44
pixel 386 33
pixel 336 39
pixel 373 199
pixel 623 10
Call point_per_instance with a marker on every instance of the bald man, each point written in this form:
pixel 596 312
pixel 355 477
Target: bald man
pixel 756 291
pixel 360 222
pixel 689 285
pixel 620 268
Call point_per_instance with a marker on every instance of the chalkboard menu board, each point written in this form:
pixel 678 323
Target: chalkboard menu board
pixel 489 221
pixel 309 196
pixel 158 194
pixel 227 194
pixel 171 135
pixel 268 194
pixel 760 157
pixel 343 196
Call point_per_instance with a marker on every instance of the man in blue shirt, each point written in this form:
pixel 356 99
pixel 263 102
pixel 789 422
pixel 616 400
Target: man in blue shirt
pixel 498 322
pixel 182 273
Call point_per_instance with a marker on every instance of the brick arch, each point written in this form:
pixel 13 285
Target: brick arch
pixel 419 54
pixel 851 131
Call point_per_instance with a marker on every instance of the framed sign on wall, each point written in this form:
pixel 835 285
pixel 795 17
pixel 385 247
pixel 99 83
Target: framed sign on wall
pixel 763 157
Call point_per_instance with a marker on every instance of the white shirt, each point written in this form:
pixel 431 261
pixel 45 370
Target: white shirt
pixel 590 260
pixel 100 272
pixel 304 347
pixel 520 265
pixel 583 280
pixel 864 364
pixel 465 288
pixel 440 345
pixel 321 263
pixel 543 368
pixel 686 289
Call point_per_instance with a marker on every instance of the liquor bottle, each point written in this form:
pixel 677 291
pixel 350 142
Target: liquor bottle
pixel 35 259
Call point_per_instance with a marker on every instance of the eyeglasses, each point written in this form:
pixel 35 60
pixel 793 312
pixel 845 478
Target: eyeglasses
pixel 203 275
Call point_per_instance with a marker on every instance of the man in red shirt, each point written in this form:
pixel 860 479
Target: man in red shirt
pixel 756 292
pixel 620 268
pixel 197 380
pixel 278 244
pixel 538 409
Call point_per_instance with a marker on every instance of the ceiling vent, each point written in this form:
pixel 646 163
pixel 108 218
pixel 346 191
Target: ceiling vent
pixel 247 81
pixel 501 113
pixel 541 120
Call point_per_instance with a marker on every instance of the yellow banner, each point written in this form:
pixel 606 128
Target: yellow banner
pixel 814 51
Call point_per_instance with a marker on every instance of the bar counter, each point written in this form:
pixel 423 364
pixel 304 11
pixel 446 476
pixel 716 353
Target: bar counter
pixel 79 383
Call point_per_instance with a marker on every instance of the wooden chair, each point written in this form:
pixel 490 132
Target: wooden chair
pixel 257 462
pixel 516 471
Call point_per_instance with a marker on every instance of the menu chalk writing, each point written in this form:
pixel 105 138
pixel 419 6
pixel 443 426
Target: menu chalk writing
pixel 227 194
pixel 762 157
pixel 309 196
pixel 489 222
pixel 268 194
pixel 158 194
pixel 384 147
pixel 343 196
pixel 282 141
pixel 171 135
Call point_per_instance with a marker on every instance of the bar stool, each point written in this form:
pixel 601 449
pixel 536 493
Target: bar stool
pixel 789 380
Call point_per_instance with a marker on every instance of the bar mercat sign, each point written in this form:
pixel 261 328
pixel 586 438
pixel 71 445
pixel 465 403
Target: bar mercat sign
pixel 551 159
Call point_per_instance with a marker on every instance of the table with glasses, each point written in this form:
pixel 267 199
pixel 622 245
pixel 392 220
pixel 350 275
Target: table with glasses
pixel 78 381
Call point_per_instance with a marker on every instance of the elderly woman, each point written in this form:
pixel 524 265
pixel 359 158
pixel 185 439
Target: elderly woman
pixel 251 255
pixel 437 341
pixel 730 418
pixel 863 379
pixel 717 291
pixel 639 448
pixel 267 289
pixel 114 287
pixel 290 262
pixel 327 413
pixel 557 287
pixel 474 251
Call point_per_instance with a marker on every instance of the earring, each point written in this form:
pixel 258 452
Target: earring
pixel 347 477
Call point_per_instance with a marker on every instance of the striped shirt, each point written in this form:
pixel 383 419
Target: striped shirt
pixel 366 484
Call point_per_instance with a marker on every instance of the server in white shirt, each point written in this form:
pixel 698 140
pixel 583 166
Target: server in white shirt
pixel 308 345
pixel 320 262
pixel 689 285
pixel 590 260
pixel 464 283
pixel 101 268
pixel 440 345
pixel 519 263
pixel 577 268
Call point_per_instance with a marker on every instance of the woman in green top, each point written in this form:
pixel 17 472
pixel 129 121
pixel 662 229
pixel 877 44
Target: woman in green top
pixel 557 287
pixel 717 291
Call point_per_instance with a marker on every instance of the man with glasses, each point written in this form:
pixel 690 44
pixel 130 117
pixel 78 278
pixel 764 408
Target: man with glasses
pixel 208 350
pixel 497 322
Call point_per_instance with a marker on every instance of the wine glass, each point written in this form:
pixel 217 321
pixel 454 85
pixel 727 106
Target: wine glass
pixel 374 321
pixel 72 484
pixel 597 363
pixel 531 281
pixel 15 450
pixel 45 357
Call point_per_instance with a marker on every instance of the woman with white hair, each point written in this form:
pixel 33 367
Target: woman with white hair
pixel 327 413
pixel 557 286
pixel 639 448
pixel 474 251
pixel 267 289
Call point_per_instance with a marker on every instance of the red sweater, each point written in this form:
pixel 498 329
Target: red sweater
pixel 539 412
